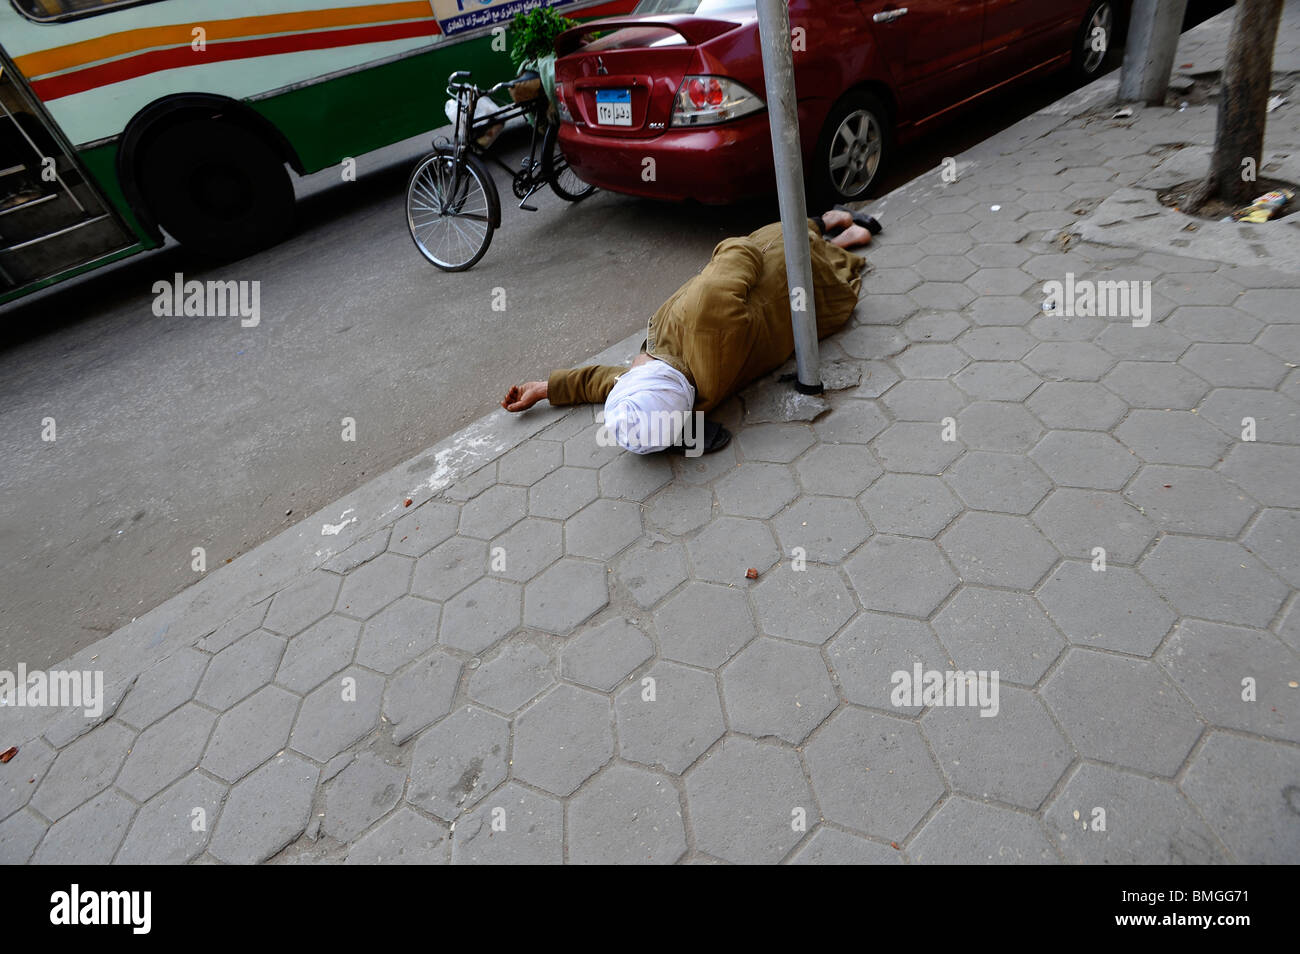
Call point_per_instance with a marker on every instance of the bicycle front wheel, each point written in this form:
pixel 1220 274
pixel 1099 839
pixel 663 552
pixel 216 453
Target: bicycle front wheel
pixel 452 208
pixel 555 169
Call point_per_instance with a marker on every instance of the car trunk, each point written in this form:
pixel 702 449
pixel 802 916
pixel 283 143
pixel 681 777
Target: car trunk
pixel 623 84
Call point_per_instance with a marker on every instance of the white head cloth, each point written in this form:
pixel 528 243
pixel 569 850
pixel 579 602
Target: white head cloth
pixel 647 406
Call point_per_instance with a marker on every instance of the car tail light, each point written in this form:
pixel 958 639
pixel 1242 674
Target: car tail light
pixel 562 105
pixel 706 100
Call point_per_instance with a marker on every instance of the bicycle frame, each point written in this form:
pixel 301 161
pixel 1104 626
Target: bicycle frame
pixel 468 130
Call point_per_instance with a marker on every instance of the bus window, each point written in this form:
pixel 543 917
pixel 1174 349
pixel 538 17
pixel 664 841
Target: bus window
pixel 67 9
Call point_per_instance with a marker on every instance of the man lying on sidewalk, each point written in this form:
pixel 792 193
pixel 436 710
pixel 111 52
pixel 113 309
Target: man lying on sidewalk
pixel 723 329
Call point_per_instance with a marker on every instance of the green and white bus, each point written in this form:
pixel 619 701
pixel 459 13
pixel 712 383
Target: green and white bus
pixel 122 118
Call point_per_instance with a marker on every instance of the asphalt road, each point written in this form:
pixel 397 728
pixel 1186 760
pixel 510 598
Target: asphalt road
pixel 176 433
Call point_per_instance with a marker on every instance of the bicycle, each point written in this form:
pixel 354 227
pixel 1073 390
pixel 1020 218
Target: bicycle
pixel 452 203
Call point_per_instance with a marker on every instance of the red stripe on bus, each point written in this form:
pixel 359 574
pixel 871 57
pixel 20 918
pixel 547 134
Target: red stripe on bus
pixel 131 67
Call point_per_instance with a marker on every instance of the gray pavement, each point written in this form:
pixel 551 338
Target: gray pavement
pixel 553 653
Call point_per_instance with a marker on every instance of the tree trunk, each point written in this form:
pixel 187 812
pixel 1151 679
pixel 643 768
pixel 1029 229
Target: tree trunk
pixel 1243 105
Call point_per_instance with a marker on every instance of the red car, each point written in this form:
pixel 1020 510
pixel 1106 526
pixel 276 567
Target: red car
pixel 668 102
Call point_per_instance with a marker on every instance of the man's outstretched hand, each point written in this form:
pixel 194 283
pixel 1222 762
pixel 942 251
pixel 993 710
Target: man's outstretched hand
pixel 523 396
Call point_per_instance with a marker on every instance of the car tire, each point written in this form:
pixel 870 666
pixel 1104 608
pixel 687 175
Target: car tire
pixel 217 187
pixel 1086 62
pixel 859 130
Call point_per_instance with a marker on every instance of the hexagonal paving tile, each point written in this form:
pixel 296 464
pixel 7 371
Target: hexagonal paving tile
pixel 493 511
pixel 873 649
pixel 910 505
pixel 1269 473
pixel 872 773
pixel 924 400
pixel 1076 405
pixel 338 714
pixel 530 462
pixel 649 573
pixel 399 633
pixel 524 550
pixel 805 605
pixel 626 816
pixel 1245 789
pixel 775 688
pixel 916 448
pixel 704 625
pixel 742 799
pixel 1007 483
pixel 1084 459
pixel 567 594
pixel 999 631
pixel 1069 361
pixel 515 826
pixel 518 673
pixel 756 490
pixel 1234 365
pixel 421 694
pixel 458 761
pixel 901 575
pixel 669 717
pixel 994 343
pixel 635 477
pixel 1214 579
pixel 562 739
pixel 727 547
pixel 480 615
pixel 1114 609
pixel 603 528
pixel 851 422
pixel 371 587
pixel 1016 755
pixel 994 426
pixel 1190 500
pixel 449 567
pixel 1210 661
pixel 827 529
pixel 251 733
pixel 241 668
pixel 422 529
pixel 680 509
pixel 1122 710
pixel 562 493
pixel 1156 384
pixel 315 655
pixel 1146 821
pixel 1006 837
pixel 1079 521
pixel 602 656
pixel 302 603
pixel 1172 437
pixel 997 380
pixel 998 550
pixel 265 812
pixel 837 470
pixel 1275 539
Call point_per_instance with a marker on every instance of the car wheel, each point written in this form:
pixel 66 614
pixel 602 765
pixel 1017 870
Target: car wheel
pixel 855 146
pixel 1093 41
pixel 217 187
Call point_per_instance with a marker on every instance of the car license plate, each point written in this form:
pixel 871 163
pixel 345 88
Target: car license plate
pixel 614 107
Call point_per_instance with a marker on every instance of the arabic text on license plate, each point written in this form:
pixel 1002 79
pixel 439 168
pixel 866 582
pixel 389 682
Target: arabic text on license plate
pixel 614 107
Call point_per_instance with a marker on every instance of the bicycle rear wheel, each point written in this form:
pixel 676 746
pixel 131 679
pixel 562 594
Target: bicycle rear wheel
pixel 555 169
pixel 452 209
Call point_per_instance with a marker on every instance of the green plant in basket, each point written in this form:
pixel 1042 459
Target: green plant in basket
pixel 532 35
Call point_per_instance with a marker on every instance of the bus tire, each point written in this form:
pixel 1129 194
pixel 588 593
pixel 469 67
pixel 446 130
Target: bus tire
pixel 217 187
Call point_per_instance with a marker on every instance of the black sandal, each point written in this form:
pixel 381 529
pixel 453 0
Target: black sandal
pixel 715 438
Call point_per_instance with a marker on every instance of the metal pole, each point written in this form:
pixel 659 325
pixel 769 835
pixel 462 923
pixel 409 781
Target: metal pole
pixel 783 117
pixel 1153 32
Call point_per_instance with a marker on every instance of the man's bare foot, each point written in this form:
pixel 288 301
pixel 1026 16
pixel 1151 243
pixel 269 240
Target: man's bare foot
pixel 851 236
pixel 837 219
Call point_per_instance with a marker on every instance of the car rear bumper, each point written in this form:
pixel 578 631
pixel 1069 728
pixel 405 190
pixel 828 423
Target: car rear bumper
pixel 715 164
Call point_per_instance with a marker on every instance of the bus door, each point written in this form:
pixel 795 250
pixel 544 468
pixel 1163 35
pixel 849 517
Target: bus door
pixel 52 218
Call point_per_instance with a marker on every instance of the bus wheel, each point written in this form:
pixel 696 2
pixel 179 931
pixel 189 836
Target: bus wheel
pixel 217 187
